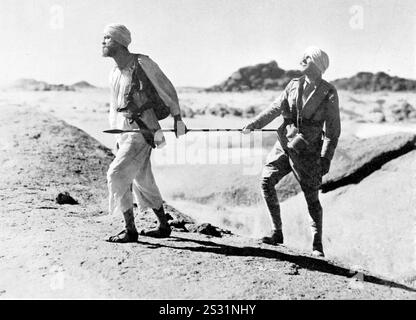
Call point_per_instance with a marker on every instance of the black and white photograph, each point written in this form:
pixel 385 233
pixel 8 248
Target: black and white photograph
pixel 208 150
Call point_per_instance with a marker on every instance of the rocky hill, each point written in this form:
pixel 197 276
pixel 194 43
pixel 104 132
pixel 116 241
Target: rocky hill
pixel 269 76
pixel 82 85
pixel 36 85
pixel 260 76
pixel 379 81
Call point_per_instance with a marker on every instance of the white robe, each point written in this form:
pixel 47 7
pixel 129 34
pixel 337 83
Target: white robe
pixel 129 177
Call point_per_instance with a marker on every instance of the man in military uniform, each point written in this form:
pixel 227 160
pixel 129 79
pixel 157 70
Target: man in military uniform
pixel 306 141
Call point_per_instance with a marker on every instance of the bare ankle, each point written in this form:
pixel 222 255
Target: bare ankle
pixel 129 220
pixel 161 217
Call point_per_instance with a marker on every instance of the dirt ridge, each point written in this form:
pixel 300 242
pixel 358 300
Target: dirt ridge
pixel 371 165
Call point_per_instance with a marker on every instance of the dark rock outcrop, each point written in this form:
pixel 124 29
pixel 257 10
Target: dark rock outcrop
pixel 379 81
pixel 266 76
pixel 261 76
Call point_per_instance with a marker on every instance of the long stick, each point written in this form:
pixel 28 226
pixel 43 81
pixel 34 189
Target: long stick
pixel 114 131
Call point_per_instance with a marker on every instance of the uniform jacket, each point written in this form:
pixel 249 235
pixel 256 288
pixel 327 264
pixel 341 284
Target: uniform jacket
pixel 319 118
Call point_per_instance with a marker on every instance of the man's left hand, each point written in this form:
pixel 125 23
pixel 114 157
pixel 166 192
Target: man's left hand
pixel 179 126
pixel 247 128
pixel 325 164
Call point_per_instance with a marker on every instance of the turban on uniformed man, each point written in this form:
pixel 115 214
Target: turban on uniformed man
pixel 118 33
pixel 319 57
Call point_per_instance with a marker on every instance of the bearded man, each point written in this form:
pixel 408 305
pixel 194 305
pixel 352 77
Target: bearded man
pixel 137 86
pixel 306 141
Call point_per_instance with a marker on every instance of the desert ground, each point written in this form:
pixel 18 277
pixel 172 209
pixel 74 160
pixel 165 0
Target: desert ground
pixel 58 251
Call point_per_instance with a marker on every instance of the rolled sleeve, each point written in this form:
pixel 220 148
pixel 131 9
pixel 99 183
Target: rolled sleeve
pixel 332 127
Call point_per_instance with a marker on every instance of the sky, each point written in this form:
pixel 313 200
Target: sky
pixel 201 42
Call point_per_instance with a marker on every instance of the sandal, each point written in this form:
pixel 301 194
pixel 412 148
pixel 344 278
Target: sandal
pixel 157 232
pixel 124 237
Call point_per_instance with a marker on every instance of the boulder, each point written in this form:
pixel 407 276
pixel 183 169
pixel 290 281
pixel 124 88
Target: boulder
pixel 65 198
pixel 207 229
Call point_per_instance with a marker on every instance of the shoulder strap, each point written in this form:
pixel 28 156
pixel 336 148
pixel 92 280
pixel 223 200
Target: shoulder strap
pixel 298 107
pixel 312 105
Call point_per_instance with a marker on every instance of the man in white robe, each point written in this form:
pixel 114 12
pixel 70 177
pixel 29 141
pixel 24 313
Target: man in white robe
pixel 130 178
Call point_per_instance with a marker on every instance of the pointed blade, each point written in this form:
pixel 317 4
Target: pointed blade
pixel 114 131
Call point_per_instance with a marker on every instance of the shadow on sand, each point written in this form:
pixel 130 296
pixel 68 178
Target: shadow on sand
pixel 306 262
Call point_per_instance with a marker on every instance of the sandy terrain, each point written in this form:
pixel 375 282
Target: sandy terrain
pixel 229 197
pixel 58 251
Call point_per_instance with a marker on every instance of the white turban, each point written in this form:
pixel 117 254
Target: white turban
pixel 119 33
pixel 319 58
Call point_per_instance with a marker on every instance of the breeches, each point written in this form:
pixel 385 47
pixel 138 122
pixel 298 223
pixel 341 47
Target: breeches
pixel 308 173
pixel 306 169
pixel 130 177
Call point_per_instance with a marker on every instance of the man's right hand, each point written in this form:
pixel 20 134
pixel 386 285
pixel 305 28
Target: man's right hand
pixel 179 126
pixel 247 129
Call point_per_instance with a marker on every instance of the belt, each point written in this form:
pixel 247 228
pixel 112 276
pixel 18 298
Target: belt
pixel 310 123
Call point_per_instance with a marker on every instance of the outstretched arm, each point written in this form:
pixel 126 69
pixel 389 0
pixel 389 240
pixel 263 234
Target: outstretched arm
pixel 270 113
